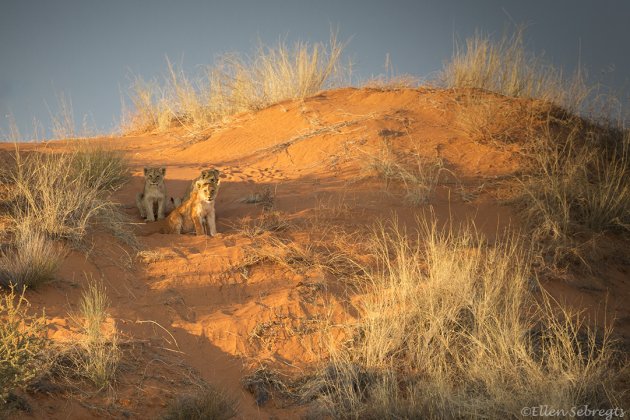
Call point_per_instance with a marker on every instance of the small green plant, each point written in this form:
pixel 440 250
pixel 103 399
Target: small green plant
pixel 22 343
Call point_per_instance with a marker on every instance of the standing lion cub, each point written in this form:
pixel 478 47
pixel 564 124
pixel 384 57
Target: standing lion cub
pixel 197 211
pixel 154 193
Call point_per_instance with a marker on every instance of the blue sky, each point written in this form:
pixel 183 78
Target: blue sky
pixel 88 49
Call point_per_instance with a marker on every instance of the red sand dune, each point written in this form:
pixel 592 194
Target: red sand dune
pixel 198 306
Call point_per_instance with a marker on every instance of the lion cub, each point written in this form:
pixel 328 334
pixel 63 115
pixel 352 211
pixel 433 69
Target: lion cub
pixel 197 211
pixel 209 175
pixel 154 193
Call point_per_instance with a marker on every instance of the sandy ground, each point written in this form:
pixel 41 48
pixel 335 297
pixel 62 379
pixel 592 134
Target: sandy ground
pixel 218 308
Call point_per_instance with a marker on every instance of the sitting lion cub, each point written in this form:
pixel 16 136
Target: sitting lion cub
pixel 197 211
pixel 154 193
pixel 209 175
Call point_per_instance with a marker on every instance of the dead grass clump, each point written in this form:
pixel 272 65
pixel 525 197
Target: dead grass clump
pixel 503 66
pixel 390 80
pixel 100 354
pixel 579 187
pixel 206 404
pixel 234 84
pixel 419 175
pixel 490 119
pixel 66 194
pixel 268 221
pixel 31 260
pixel 264 197
pixel 96 355
pixel 22 343
pixel 265 384
pixel 450 329
pixel 286 253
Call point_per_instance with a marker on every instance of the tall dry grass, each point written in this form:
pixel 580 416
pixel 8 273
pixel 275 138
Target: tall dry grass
pixel 579 187
pixel 98 354
pixel 450 328
pixel 32 258
pixel 504 66
pixel 66 193
pixel 577 184
pixel 234 84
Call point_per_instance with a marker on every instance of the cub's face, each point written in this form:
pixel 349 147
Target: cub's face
pixel 207 191
pixel 211 175
pixel 154 176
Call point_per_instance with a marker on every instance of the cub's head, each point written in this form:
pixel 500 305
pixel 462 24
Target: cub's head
pixel 207 191
pixel 211 175
pixel 154 175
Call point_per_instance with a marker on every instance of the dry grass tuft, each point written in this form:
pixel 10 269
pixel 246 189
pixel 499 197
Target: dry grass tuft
pixel 31 260
pixel 503 66
pixel 234 84
pixel 99 354
pixel 22 344
pixel 65 194
pixel 268 221
pixel 579 187
pixel 419 175
pixel 96 355
pixel 450 328
pixel 264 197
pixel 495 120
pixel 206 404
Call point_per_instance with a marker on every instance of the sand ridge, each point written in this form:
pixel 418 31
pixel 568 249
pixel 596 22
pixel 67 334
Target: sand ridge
pixel 226 305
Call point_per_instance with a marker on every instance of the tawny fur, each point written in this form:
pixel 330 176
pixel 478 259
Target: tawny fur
pixel 197 212
pixel 209 175
pixel 154 193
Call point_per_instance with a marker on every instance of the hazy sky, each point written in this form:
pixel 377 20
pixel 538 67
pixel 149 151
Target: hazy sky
pixel 88 49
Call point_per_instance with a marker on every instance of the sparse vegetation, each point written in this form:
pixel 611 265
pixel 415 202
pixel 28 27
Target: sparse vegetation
pixel 450 328
pixel 579 187
pixel 22 343
pixel 268 221
pixel 263 197
pixel 418 175
pixel 577 184
pixel 206 404
pixel 234 84
pixel 99 353
pixel 96 355
pixel 65 193
pixel 32 259
pixel 504 66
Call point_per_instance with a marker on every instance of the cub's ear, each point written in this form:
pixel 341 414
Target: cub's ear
pixel 216 173
pixel 162 170
pixel 200 182
pixel 146 170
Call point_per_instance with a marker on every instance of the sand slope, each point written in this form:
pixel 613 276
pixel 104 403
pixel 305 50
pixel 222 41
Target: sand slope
pixel 218 308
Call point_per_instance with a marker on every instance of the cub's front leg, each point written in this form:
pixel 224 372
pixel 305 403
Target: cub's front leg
pixel 141 206
pixel 148 205
pixel 160 214
pixel 198 222
pixel 211 223
pixel 175 223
